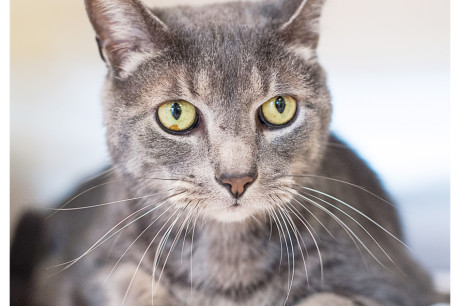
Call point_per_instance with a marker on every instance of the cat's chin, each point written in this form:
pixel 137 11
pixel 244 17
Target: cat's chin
pixel 232 214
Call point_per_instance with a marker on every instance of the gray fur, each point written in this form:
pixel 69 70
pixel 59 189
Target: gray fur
pixel 227 60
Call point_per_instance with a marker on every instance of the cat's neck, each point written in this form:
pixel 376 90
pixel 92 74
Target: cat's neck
pixel 233 254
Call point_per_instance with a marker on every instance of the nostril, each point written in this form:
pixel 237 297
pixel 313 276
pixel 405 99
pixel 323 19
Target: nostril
pixel 237 185
pixel 226 185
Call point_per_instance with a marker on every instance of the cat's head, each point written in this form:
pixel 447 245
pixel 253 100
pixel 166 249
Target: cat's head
pixel 227 100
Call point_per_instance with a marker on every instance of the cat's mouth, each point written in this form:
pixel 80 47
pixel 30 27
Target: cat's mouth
pixel 235 205
pixel 236 211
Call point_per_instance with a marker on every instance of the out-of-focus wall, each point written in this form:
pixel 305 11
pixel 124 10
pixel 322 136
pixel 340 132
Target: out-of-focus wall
pixel 388 67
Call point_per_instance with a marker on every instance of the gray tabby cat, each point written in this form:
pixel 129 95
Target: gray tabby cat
pixel 226 185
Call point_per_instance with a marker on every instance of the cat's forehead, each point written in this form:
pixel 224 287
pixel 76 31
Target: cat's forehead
pixel 235 87
pixel 249 14
pixel 222 73
pixel 221 35
pixel 231 78
pixel 223 55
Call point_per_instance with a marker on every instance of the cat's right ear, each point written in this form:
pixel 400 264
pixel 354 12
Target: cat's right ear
pixel 127 33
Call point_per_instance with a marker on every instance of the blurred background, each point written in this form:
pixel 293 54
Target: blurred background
pixel 388 71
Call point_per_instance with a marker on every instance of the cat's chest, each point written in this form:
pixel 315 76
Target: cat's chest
pixel 234 262
pixel 216 269
pixel 217 265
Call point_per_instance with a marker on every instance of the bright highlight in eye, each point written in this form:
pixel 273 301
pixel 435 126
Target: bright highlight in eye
pixel 177 116
pixel 278 110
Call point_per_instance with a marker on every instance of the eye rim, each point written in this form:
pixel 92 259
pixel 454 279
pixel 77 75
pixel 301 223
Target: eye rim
pixel 186 131
pixel 278 126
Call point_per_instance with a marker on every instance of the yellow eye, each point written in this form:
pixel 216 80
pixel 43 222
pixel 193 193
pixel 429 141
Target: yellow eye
pixel 177 116
pixel 278 110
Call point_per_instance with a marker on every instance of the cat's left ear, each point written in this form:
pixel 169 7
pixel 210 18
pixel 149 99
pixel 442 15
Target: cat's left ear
pixel 127 33
pixel 302 27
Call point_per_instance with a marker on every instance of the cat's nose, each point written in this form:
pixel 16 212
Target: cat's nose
pixel 237 185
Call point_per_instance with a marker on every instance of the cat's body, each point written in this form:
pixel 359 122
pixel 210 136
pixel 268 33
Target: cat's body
pixel 308 204
pixel 234 264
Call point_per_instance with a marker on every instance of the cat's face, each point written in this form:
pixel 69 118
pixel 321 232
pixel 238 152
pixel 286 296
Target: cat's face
pixel 231 163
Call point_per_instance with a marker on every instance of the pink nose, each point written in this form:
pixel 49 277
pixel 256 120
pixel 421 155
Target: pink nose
pixel 236 185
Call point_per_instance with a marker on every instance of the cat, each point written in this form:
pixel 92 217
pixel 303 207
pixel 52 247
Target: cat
pixel 226 184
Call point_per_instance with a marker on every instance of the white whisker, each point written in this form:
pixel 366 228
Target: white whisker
pixel 317 248
pixel 338 222
pixel 160 249
pixel 362 227
pixel 80 194
pixel 298 234
pixel 109 203
pixel 282 214
pixel 271 226
pixel 313 215
pixel 132 243
pixel 347 183
pixel 143 255
pixel 94 187
pixel 287 248
pixel 279 235
pixel 344 225
pixel 358 211
pixel 191 259
pixel 189 215
pixel 187 231
pixel 102 240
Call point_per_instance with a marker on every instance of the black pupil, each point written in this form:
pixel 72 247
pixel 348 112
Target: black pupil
pixel 280 104
pixel 176 111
